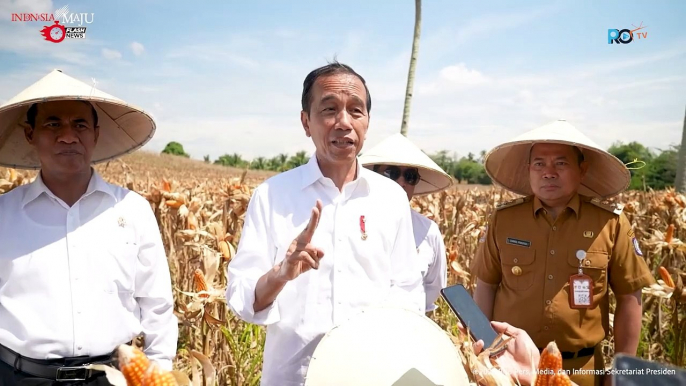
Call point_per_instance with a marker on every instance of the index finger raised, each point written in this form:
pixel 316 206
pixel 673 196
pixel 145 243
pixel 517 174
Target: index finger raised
pixel 308 232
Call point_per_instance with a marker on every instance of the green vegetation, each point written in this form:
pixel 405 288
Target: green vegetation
pixel 649 169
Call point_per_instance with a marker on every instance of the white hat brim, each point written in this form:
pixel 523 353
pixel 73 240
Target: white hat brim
pixel 400 151
pixel 508 164
pixel 123 128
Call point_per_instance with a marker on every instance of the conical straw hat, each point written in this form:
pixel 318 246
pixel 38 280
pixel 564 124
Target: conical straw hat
pixel 390 346
pixel 508 164
pixel 123 128
pixel 400 151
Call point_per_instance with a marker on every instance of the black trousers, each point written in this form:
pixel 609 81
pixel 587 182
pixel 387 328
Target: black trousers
pixel 9 376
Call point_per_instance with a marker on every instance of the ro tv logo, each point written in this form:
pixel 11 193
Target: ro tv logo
pixel 625 36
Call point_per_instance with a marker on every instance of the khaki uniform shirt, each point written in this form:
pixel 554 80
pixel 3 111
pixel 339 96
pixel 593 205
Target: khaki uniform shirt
pixel 531 258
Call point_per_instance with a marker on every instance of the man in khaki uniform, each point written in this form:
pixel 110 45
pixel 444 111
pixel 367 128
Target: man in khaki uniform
pixel 562 229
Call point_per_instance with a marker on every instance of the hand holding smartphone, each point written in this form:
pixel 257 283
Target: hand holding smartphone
pixel 470 315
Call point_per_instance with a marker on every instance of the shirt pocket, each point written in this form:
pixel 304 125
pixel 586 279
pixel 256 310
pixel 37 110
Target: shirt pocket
pixel 518 268
pixel 118 269
pixel 595 266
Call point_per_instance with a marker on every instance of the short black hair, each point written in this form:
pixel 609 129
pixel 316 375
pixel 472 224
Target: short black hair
pixel 33 112
pixel 579 155
pixel 332 68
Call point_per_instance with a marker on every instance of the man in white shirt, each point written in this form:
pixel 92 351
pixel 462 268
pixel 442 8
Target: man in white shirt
pixel 397 158
pixel 82 264
pixel 324 240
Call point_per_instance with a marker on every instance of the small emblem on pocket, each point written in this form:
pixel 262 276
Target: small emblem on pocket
pixel 637 248
pixel 121 222
pixel 516 271
pixel 588 234
pixel 363 228
pixel 521 243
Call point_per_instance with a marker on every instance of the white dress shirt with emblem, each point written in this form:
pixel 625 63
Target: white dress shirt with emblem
pixel 431 250
pixel 81 280
pixel 353 274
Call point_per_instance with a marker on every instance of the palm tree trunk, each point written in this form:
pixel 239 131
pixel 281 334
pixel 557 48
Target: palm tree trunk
pixel 413 65
pixel 680 183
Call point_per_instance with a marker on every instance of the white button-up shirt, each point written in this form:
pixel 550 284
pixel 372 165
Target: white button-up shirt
pixel 81 280
pixel 431 250
pixel 353 274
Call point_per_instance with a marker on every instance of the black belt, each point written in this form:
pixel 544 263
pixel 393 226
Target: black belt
pixel 52 369
pixel 584 352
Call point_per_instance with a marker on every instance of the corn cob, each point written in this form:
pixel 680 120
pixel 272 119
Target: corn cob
pixel 549 364
pixel 224 249
pixel 670 234
pixel 133 363
pixel 666 277
pixel 559 379
pixel 200 283
pixel 192 221
pixel 154 376
pixel 174 203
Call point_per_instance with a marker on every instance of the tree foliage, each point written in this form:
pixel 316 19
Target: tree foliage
pixel 175 148
pixel 650 169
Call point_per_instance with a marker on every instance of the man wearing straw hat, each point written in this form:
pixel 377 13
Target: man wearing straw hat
pixel 82 264
pixel 397 158
pixel 323 241
pixel 547 260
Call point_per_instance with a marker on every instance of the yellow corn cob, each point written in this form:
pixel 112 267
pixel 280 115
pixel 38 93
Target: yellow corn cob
pixel 174 203
pixel 155 376
pixel 549 364
pixel 200 283
pixel 666 277
pixel 192 221
pixel 133 364
pixel 560 378
pixel 670 234
pixel 224 249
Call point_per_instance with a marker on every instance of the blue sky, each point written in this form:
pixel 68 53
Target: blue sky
pixel 226 76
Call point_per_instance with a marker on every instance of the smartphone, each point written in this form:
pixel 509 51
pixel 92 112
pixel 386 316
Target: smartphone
pixel 469 313
pixel 630 370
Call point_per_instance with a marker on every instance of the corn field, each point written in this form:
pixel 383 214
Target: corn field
pixel 200 208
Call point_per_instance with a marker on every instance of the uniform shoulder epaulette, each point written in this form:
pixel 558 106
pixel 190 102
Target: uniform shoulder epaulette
pixel 615 208
pixel 511 203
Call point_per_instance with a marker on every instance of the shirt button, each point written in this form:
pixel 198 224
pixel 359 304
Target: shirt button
pixel 550 277
pixel 545 328
pixel 548 302
pixel 516 260
pixel 554 228
pixel 552 251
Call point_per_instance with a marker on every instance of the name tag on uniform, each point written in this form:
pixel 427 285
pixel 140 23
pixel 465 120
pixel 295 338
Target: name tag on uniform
pixel 580 286
pixel 521 243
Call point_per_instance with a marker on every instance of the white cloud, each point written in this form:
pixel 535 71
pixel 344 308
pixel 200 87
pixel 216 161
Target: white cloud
pixel 137 48
pixel 110 54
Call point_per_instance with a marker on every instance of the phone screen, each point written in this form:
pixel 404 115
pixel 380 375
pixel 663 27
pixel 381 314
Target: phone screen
pixel 469 314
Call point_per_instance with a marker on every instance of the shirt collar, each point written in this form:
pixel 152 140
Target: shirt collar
pixel 38 187
pixel 574 204
pixel 311 173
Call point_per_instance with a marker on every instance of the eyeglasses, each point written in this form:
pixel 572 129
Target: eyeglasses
pixel 411 175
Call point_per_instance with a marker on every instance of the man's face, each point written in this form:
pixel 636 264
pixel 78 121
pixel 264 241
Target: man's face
pixel 64 136
pixel 407 178
pixel 554 171
pixel 338 118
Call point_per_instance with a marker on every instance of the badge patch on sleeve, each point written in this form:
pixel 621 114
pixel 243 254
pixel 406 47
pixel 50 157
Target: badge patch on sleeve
pixel 521 243
pixel 637 248
pixel 482 239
